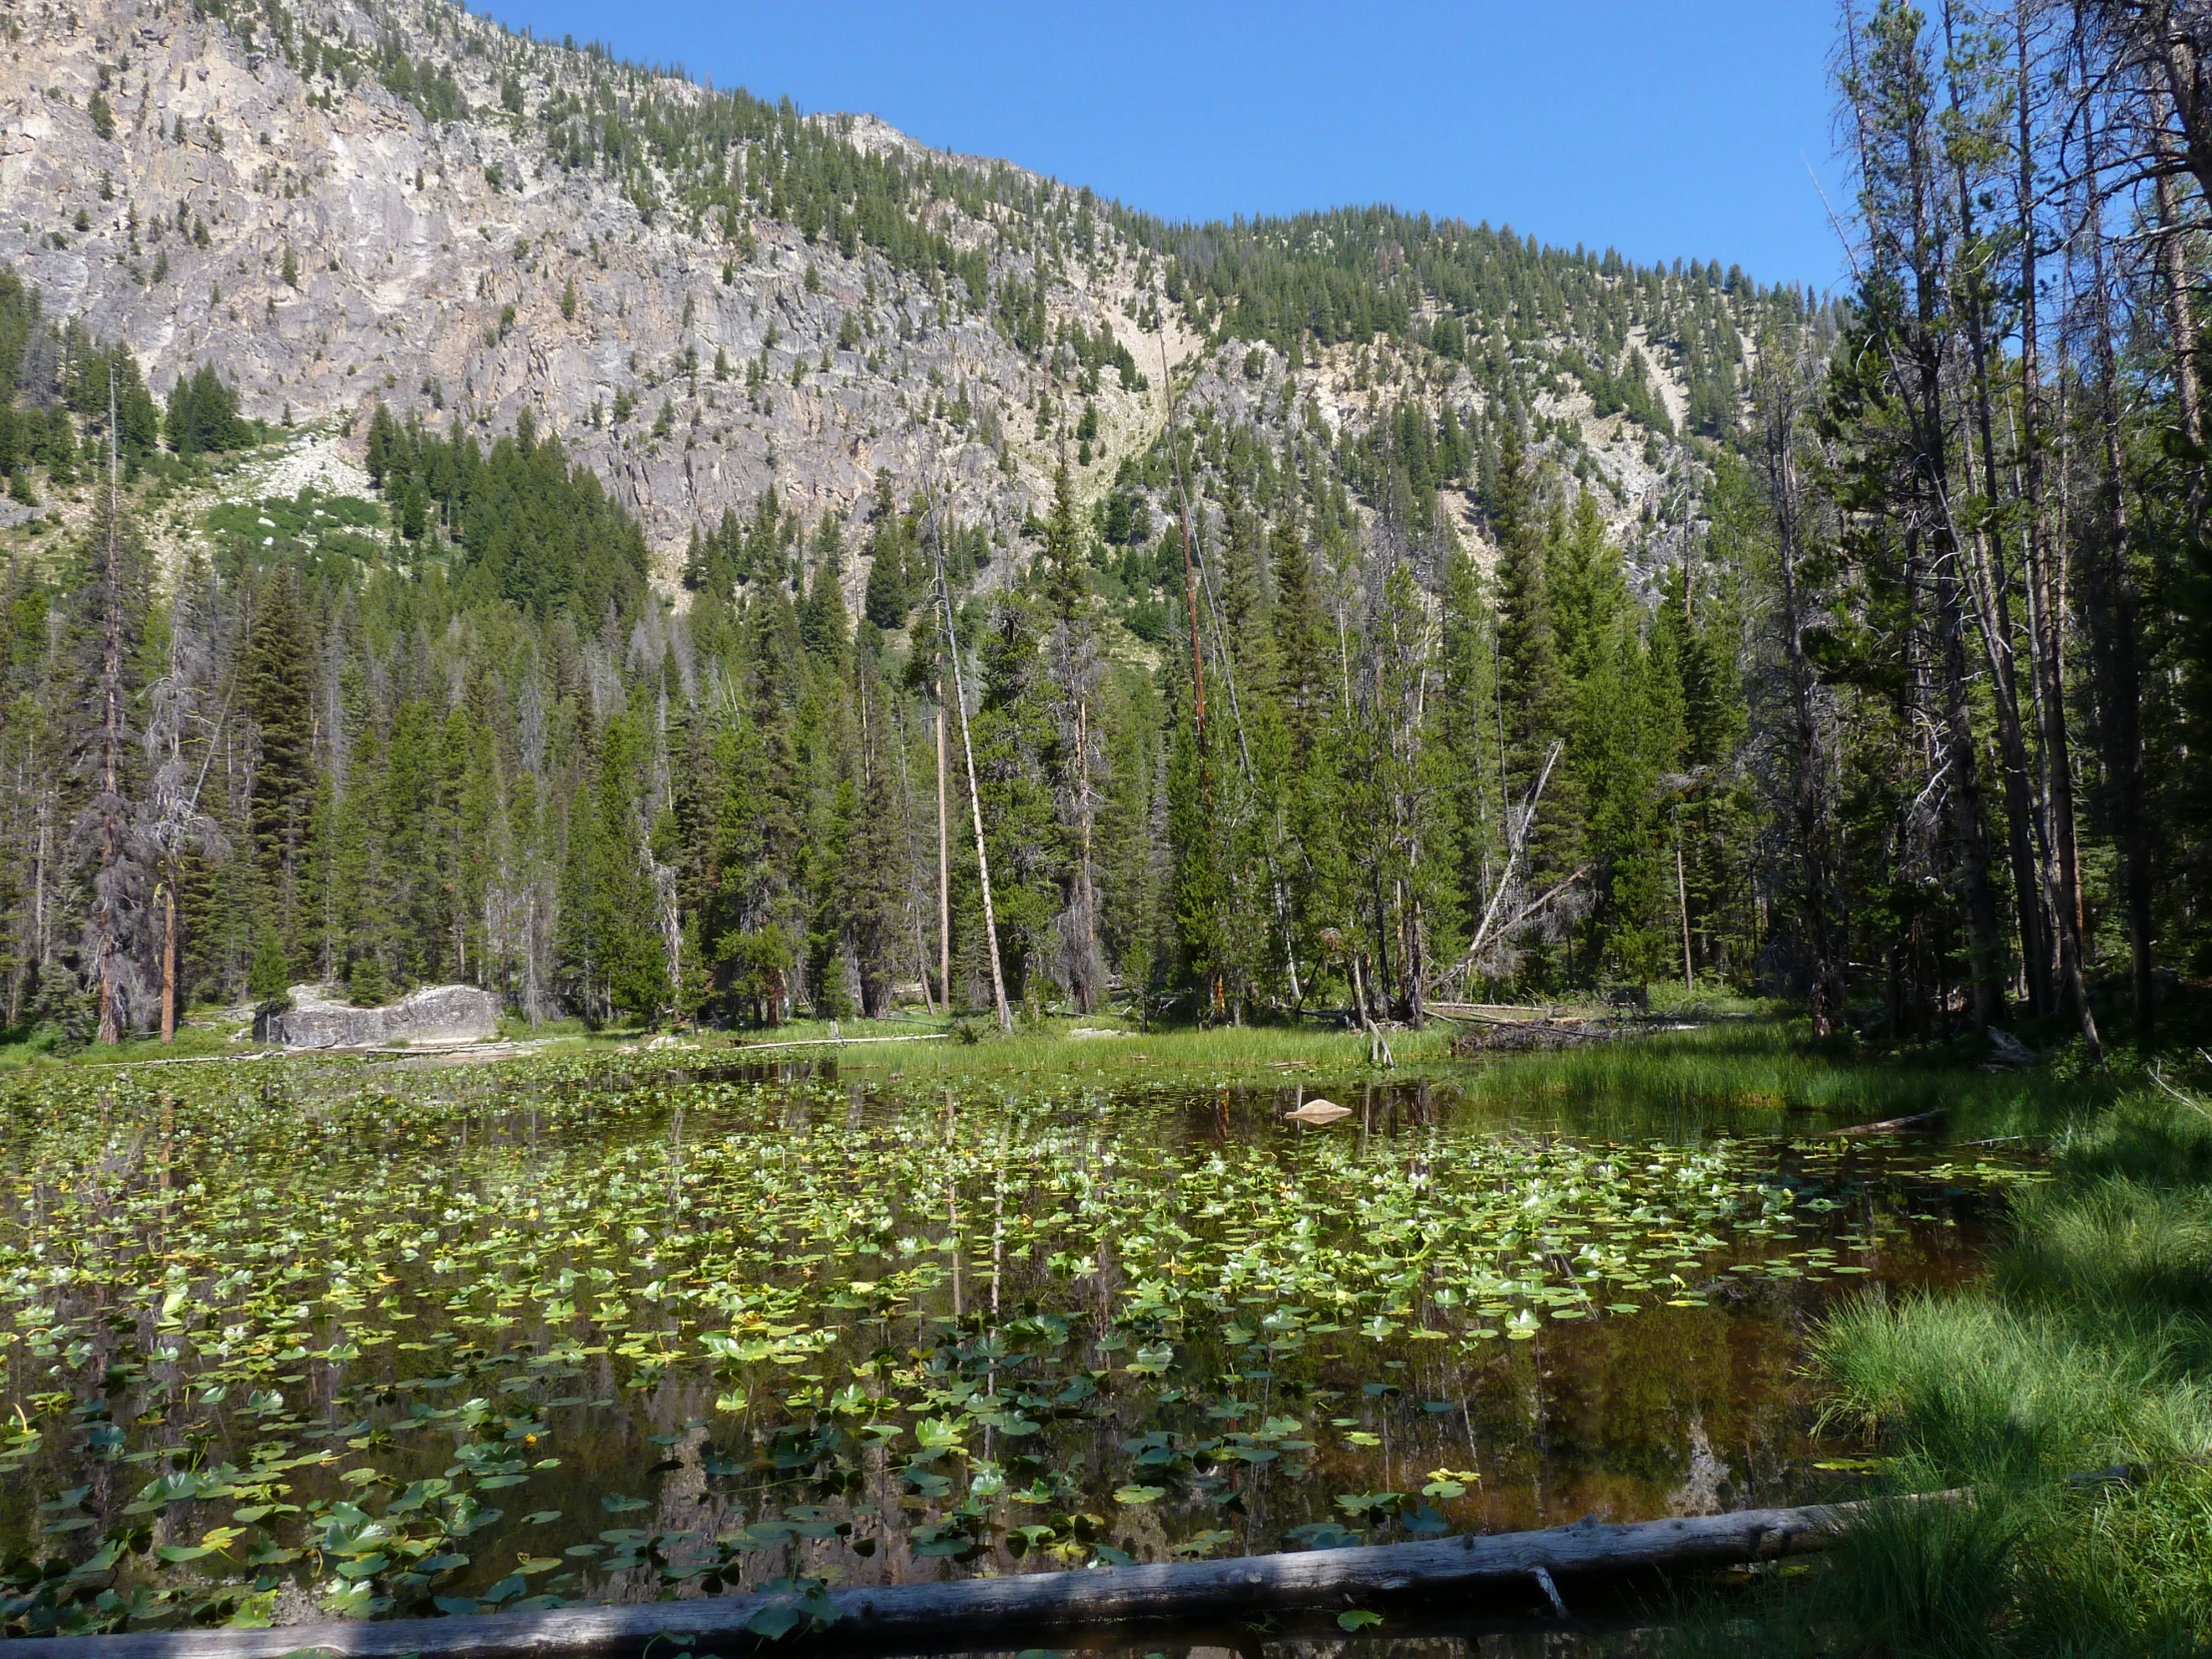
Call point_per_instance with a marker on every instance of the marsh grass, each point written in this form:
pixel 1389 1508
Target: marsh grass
pixel 1726 1061
pixel 2088 1348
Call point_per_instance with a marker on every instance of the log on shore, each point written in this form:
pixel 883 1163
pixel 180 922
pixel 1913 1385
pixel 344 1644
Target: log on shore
pixel 1503 1037
pixel 987 1612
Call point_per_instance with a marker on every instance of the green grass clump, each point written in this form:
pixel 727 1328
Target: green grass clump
pixel 2089 1349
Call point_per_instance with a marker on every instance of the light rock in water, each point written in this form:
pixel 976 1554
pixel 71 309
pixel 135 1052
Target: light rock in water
pixel 434 1014
pixel 1318 1111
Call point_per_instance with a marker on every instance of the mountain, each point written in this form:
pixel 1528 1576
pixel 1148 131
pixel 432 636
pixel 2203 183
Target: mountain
pixel 533 473
pixel 703 293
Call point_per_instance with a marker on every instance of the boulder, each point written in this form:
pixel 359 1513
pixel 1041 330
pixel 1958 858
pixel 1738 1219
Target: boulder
pixel 432 1015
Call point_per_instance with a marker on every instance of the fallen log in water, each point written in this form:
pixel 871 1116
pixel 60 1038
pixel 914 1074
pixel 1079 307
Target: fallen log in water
pixel 1894 1126
pixel 1511 1038
pixel 985 1612
pixel 840 1042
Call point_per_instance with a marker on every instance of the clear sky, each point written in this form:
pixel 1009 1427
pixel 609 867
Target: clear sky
pixel 1666 128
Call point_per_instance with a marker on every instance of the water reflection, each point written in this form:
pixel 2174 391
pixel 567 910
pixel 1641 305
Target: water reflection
pixel 632 1468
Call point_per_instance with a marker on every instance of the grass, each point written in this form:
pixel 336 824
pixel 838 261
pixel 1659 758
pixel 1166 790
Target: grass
pixel 1736 1059
pixel 2090 1347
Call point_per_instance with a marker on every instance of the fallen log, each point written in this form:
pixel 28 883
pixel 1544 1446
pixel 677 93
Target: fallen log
pixel 1542 1567
pixel 838 1042
pixel 1506 1037
pixel 1893 1126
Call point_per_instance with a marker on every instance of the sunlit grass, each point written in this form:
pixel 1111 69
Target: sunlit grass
pixel 2089 1349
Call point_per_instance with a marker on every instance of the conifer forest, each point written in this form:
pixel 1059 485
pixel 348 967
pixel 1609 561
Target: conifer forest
pixel 547 606
pixel 1894 706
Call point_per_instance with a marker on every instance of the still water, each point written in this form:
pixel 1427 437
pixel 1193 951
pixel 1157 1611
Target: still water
pixel 355 1342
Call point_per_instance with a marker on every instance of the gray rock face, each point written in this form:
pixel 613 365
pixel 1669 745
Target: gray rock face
pixel 434 1014
pixel 463 270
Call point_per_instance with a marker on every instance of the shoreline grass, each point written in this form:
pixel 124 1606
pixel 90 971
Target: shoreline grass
pixel 2089 1348
pixel 1741 1059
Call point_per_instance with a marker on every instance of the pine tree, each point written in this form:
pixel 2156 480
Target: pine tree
pixel 1018 757
pixel 1532 696
pixel 109 856
pixel 874 860
pixel 757 919
pixel 276 687
pixel 824 624
pixel 1311 791
pixel 890 582
pixel 1063 548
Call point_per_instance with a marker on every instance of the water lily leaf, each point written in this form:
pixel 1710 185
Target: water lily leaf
pixel 776 1620
pixel 1425 1521
pixel 1324 1535
pixel 1358 1618
pixel 1139 1494
pixel 1201 1543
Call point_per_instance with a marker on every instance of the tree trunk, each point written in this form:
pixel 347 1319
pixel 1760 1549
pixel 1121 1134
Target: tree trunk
pixel 168 962
pixel 1993 616
pixel 944 869
pixel 2124 693
pixel 1002 1612
pixel 1808 800
pixel 975 798
pixel 1925 402
pixel 1984 935
pixel 111 768
pixel 2046 624
pixel 2180 320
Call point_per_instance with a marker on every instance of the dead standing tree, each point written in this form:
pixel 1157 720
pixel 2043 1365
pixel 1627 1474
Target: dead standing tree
pixel 967 752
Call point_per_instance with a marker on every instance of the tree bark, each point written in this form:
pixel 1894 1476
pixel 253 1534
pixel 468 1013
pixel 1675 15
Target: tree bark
pixel 1003 1611
pixel 2046 623
pixel 944 869
pixel 2124 692
pixel 975 798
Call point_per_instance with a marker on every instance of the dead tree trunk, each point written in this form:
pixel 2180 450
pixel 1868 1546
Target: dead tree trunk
pixel 2046 623
pixel 1543 1568
pixel 975 798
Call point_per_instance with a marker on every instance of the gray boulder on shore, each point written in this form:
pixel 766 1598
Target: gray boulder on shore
pixel 434 1014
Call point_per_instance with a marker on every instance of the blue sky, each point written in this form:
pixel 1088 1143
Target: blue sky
pixel 1665 127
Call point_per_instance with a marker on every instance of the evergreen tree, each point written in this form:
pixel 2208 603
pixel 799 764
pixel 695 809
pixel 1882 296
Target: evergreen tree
pixel 824 624
pixel 275 690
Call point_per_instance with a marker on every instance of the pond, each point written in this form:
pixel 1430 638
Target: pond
pixel 336 1339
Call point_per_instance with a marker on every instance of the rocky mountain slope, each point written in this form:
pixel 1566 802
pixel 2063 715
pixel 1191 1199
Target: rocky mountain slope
pixel 704 295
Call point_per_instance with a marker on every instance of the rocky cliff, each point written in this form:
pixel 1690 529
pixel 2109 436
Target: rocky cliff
pixel 703 295
pixel 260 198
